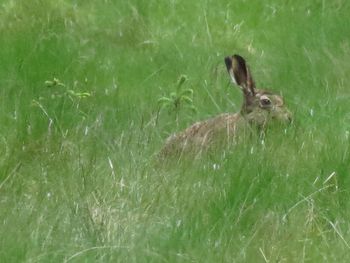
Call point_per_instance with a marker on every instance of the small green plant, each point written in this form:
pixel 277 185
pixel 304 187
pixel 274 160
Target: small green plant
pixel 181 98
pixel 57 101
pixel 59 92
pixel 66 92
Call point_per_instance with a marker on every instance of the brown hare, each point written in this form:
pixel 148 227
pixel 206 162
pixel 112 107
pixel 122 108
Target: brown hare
pixel 259 108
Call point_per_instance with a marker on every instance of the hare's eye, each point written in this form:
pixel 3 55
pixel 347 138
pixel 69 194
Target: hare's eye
pixel 265 102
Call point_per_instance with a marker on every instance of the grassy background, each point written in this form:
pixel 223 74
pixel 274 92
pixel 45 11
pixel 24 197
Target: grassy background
pixel 78 177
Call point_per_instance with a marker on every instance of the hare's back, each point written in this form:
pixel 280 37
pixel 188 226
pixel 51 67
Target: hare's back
pixel 205 132
pixel 226 122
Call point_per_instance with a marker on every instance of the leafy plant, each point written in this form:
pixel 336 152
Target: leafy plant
pixel 181 98
pixel 66 92
pixel 58 101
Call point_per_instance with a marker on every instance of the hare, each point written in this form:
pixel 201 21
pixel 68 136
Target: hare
pixel 259 108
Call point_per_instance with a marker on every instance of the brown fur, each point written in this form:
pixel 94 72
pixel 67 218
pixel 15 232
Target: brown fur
pixel 258 109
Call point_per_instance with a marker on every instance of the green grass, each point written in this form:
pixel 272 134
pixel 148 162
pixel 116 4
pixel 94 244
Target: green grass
pixel 79 179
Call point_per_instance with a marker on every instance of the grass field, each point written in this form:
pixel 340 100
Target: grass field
pixel 81 129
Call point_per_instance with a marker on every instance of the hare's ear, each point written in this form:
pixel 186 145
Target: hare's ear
pixel 240 73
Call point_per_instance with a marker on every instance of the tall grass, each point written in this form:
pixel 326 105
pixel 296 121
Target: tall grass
pixel 79 179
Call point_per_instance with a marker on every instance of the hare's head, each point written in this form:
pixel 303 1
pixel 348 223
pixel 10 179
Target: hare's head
pixel 259 105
